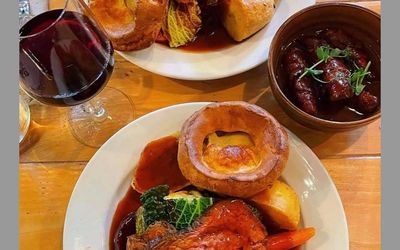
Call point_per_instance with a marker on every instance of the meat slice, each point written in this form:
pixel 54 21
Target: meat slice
pixel 150 237
pixel 229 224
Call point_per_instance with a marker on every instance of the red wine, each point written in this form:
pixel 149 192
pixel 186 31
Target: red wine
pixel 65 59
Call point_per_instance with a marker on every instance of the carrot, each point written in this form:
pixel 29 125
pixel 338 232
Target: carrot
pixel 288 240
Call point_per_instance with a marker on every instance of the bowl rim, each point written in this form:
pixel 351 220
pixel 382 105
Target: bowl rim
pixel 274 82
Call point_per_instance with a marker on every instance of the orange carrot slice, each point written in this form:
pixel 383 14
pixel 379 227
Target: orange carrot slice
pixel 288 240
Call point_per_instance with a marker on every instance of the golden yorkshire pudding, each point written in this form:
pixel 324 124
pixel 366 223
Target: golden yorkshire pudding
pixel 232 148
pixel 130 24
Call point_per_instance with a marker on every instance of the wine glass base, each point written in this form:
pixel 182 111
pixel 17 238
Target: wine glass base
pixel 24 118
pixel 94 130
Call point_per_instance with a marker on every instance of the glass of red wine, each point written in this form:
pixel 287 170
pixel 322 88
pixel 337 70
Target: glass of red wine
pixel 66 59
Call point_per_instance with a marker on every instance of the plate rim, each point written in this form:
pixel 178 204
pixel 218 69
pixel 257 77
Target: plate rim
pixel 191 78
pixel 200 104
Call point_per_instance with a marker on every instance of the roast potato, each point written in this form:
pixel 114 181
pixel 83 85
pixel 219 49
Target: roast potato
pixel 280 205
pixel 242 18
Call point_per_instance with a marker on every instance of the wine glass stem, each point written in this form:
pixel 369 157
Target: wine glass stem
pixel 96 110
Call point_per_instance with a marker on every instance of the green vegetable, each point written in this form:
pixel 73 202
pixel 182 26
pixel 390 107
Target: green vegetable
pixel 182 23
pixel 323 53
pixel 154 205
pixel 180 209
pixel 357 79
pixel 139 221
pixel 185 207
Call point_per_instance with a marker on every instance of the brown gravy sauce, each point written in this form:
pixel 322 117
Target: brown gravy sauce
pixel 124 212
pixel 158 165
pixel 212 36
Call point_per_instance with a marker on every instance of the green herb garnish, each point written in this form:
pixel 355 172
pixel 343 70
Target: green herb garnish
pixel 323 53
pixel 357 78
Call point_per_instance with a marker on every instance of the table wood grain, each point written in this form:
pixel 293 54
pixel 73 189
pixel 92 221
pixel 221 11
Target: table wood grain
pixel 51 159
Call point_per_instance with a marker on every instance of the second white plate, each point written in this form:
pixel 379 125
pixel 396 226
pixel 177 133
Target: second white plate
pixel 226 62
pixel 107 176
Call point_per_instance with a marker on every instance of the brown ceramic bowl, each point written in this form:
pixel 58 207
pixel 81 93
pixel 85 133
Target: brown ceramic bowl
pixel 360 22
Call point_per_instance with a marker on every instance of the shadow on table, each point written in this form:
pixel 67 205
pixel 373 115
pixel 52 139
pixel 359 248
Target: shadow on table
pixel 255 77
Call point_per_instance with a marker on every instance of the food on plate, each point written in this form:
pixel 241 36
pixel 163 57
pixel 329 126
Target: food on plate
pixel 280 205
pixel 218 228
pixel 235 170
pixel 182 23
pixel 180 209
pixel 117 17
pixel 329 75
pixel 289 239
pixel 233 200
pixel 131 25
pixel 230 151
pixel 135 25
pixel 242 18
pixel 159 157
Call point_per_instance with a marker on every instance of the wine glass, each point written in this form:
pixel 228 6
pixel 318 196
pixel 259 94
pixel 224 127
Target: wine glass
pixel 66 59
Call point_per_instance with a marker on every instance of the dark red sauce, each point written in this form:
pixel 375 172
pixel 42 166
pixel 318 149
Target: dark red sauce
pixel 124 213
pixel 158 165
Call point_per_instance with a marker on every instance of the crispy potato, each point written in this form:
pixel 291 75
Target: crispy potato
pixel 242 18
pixel 279 204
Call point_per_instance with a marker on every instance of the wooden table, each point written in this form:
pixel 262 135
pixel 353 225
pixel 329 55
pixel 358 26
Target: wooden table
pixel 51 160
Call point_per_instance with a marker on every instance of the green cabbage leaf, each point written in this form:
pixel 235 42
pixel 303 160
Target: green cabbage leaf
pixel 180 209
pixel 182 23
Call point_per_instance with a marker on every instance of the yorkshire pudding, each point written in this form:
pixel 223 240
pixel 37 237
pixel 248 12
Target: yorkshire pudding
pixel 239 169
pixel 130 24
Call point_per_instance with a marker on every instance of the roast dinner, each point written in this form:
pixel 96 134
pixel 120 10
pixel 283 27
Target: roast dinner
pixel 137 24
pixel 215 184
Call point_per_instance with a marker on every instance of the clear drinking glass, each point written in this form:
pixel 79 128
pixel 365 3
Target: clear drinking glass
pixel 66 59
pixel 24 118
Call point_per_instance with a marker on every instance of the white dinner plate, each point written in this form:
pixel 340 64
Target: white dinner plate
pixel 107 176
pixel 179 64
